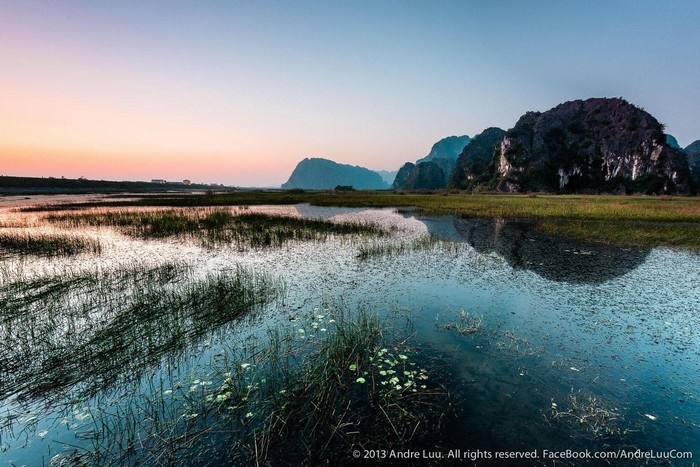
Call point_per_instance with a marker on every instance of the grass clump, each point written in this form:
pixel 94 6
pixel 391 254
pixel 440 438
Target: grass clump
pixel 590 413
pixel 466 324
pixel 215 227
pixel 47 245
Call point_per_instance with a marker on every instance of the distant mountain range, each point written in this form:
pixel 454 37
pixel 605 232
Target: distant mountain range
pixel 597 145
pixel 387 175
pixel 322 174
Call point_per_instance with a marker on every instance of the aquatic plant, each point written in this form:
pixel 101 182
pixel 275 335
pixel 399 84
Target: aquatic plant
pixel 467 324
pixel 590 413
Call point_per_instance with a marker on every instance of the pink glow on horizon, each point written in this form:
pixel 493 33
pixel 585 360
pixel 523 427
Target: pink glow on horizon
pixel 114 166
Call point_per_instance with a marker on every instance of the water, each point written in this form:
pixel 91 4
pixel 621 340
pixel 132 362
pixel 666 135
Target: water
pixel 579 346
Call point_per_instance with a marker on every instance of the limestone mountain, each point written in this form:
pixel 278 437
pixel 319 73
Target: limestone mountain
pixel 693 154
pixel 432 171
pixel 598 144
pixel 447 148
pixel 322 174
pixel 475 165
pixel 672 141
pixel 423 176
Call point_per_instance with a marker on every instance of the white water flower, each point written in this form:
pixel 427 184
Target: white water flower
pixel 41 434
pixel 245 365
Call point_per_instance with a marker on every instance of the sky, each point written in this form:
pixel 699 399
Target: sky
pixel 238 92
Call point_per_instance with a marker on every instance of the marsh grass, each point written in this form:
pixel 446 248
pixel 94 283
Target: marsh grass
pixel 47 245
pixel 625 220
pixel 73 336
pixel 308 396
pixel 630 234
pixel 542 206
pixel 215 227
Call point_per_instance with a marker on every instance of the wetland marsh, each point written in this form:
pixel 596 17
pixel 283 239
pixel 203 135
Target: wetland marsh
pixel 259 334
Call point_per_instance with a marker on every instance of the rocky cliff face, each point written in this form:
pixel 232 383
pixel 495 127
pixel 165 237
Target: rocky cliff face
pixel 599 144
pixel 324 174
pixel 475 165
pixel 693 154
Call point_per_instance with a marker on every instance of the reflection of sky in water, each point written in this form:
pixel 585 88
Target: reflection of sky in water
pixel 628 334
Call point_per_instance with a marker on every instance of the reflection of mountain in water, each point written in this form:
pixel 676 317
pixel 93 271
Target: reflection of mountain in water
pixel 553 258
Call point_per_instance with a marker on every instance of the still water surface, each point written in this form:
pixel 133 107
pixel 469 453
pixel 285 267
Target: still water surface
pixel 565 329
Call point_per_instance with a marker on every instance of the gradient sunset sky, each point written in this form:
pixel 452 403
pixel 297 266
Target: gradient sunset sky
pixel 238 92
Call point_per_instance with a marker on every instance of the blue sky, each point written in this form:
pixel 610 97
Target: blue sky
pixel 238 92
